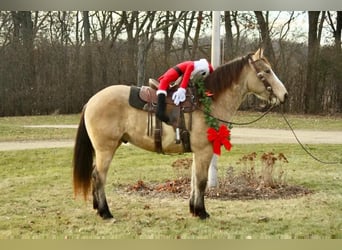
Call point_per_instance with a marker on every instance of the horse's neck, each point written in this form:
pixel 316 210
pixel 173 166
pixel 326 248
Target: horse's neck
pixel 228 102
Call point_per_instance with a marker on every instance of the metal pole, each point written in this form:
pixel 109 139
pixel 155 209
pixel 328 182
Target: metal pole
pixel 215 61
pixel 215 39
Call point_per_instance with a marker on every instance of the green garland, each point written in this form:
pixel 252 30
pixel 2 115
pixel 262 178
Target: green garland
pixel 218 136
pixel 206 102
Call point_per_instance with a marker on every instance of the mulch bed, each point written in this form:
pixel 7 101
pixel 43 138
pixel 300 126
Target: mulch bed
pixel 231 187
pixel 225 191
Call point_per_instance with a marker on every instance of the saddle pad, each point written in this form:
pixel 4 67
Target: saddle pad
pixel 134 98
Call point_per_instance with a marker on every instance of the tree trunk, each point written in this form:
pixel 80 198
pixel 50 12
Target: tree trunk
pixel 229 36
pixel 169 30
pixel 338 44
pixel 187 30
pixel 265 35
pixel 142 54
pixel 197 33
pixel 311 95
pixel 103 20
pixel 130 19
pixel 89 88
pixel 23 28
pixel 237 26
pixel 338 32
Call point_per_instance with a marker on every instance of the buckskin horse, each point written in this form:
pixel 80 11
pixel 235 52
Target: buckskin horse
pixel 107 121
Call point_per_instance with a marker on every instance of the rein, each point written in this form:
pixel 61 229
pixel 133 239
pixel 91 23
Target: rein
pixel 288 124
pixel 238 123
pixel 303 147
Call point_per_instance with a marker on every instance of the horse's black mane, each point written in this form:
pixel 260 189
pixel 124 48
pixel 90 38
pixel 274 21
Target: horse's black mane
pixel 224 76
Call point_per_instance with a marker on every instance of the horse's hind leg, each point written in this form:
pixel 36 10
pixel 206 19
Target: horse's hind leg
pixel 103 160
pixel 99 197
pixel 200 166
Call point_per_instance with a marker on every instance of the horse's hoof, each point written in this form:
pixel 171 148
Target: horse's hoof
pixel 95 205
pixel 204 216
pixel 105 215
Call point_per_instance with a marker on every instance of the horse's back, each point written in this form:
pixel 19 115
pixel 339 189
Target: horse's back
pixel 108 100
pixel 113 94
pixel 102 109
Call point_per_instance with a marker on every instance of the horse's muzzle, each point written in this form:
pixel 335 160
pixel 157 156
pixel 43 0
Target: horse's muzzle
pixel 284 99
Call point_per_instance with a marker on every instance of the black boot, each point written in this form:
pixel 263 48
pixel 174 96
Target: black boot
pixel 161 108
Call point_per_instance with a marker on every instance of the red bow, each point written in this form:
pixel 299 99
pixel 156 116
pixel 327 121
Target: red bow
pixel 218 138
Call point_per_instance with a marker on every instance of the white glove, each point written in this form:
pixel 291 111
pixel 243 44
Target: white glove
pixel 179 96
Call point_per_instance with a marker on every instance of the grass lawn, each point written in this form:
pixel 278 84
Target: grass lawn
pixel 13 128
pixel 37 199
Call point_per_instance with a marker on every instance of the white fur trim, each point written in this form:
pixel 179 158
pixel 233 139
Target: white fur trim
pixel 201 66
pixel 162 92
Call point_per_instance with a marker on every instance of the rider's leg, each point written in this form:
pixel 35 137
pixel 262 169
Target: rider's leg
pixel 161 108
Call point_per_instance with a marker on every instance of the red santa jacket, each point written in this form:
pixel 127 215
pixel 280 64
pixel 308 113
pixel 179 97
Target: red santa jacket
pixel 186 69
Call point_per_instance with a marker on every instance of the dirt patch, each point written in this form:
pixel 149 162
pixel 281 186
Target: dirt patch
pixel 244 185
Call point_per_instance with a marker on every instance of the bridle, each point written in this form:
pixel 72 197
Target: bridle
pixel 259 74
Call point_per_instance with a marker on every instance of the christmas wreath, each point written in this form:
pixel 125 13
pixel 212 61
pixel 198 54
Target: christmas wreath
pixel 217 135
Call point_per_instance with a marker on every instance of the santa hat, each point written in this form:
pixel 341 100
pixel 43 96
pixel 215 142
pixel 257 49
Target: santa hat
pixel 211 69
pixel 203 63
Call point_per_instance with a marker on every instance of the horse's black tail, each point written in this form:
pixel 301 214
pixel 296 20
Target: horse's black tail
pixel 82 160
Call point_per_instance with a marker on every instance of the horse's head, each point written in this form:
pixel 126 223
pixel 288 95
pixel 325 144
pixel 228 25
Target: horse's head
pixel 263 82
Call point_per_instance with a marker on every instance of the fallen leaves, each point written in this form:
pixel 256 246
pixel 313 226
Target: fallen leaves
pixel 225 191
pixel 247 184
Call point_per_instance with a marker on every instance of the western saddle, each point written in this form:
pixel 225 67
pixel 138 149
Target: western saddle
pixel 145 98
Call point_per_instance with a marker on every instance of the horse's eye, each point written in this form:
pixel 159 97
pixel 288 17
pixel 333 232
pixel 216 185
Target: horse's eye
pixel 267 71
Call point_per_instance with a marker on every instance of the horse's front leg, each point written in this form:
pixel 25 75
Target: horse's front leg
pixel 199 178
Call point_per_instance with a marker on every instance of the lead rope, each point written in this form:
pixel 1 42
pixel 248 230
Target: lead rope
pixel 303 147
pixel 238 123
pixel 288 124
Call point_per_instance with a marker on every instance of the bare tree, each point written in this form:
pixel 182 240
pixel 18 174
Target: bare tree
pixel 23 43
pixel 229 35
pixel 170 25
pixel 145 40
pixel 187 26
pixel 312 94
pixel 88 54
pixel 336 28
pixel 141 28
pixel 104 18
pixel 263 22
pixel 196 36
pixel 130 21
pixel 54 60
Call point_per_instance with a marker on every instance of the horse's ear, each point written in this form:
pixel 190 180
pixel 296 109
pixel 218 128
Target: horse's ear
pixel 258 54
